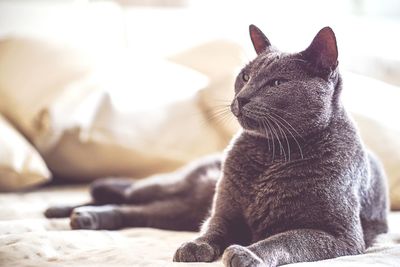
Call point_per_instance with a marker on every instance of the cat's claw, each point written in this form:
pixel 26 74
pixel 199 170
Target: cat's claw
pixel 196 252
pixel 238 256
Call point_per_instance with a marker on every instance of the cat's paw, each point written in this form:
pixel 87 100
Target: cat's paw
pixel 58 212
pixel 196 252
pixel 95 218
pixel 238 256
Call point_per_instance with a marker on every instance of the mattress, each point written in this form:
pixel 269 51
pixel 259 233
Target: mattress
pixel 29 239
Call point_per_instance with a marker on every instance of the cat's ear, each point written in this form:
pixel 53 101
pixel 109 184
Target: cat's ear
pixel 323 52
pixel 259 40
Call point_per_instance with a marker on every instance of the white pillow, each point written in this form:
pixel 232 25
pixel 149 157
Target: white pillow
pixel 125 116
pixel 20 165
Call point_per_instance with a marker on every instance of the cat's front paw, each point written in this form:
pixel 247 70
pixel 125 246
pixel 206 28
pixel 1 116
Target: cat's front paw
pixel 196 252
pixel 238 256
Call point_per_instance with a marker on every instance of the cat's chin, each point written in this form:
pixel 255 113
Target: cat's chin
pixel 252 127
pixel 248 123
pixel 255 132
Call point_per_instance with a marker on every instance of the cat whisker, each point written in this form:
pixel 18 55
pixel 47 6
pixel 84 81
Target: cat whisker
pixel 220 102
pixel 276 115
pixel 219 114
pixel 299 60
pixel 264 127
pixel 283 135
pixel 279 110
pixel 281 148
pixel 218 110
pixel 272 138
pixel 280 123
pixel 269 133
pixel 271 130
pixel 282 130
pixel 220 118
pixel 218 107
pixel 290 132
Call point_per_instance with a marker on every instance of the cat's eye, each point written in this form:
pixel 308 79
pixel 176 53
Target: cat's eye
pixel 276 82
pixel 245 77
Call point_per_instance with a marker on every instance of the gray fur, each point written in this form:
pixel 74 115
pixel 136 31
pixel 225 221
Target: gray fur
pixel 296 184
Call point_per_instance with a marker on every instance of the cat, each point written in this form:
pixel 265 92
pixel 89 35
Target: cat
pixel 295 184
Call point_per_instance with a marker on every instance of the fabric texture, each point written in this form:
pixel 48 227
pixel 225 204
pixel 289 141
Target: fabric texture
pixel 28 239
pixel 21 166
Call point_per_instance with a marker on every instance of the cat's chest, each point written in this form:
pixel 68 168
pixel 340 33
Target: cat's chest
pixel 255 179
pixel 262 195
pixel 260 186
pixel 249 161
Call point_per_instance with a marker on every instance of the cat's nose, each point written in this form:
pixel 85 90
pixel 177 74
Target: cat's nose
pixel 238 104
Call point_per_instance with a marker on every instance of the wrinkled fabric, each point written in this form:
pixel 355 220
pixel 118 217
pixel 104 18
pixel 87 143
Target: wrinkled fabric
pixel 28 239
pixel 21 166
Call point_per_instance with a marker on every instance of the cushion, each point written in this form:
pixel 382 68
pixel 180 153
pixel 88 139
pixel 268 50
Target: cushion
pixel 121 116
pixel 20 164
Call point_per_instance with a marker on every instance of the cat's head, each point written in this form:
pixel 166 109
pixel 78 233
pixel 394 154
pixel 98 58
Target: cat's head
pixel 296 93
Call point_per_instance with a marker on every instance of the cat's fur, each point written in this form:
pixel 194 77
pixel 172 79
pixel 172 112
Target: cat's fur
pixel 296 183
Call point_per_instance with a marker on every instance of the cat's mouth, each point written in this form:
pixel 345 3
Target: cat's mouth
pixel 248 123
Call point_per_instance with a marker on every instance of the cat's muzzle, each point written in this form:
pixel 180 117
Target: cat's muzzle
pixel 235 108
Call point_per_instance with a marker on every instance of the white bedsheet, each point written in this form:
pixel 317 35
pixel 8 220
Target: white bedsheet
pixel 29 239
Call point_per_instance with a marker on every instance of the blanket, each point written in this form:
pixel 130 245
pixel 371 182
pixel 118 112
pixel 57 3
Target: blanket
pixel 29 239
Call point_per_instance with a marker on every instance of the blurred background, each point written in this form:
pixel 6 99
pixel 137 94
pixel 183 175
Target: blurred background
pixel 366 29
pixel 135 87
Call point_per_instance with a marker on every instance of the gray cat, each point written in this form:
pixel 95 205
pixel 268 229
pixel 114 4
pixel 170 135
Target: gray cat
pixel 296 184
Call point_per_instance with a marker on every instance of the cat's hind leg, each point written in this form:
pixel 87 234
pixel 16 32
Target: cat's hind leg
pixel 179 201
pixel 184 214
pixel 193 180
pixel 62 211
pixel 110 190
pixel 103 191
pixel 202 173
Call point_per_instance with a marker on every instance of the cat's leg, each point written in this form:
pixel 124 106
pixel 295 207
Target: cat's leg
pixel 62 211
pixel 199 175
pixel 293 246
pixel 179 202
pixel 372 228
pixel 110 190
pixel 185 214
pixel 103 191
pixel 374 206
pixel 225 227
pixel 202 173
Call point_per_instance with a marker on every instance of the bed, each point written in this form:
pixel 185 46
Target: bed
pixel 72 132
pixel 27 238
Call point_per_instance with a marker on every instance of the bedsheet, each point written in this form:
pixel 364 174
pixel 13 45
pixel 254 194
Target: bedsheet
pixel 29 239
